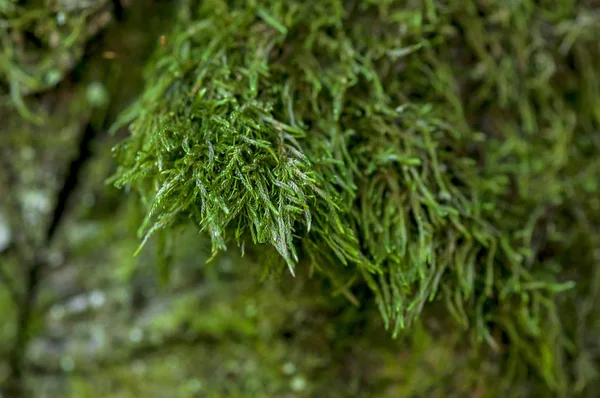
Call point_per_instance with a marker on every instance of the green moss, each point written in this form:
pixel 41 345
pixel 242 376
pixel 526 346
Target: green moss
pixel 436 162
pixel 436 150
pixel 430 150
pixel 217 331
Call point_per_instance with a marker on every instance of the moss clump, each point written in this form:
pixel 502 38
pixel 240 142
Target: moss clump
pixel 426 149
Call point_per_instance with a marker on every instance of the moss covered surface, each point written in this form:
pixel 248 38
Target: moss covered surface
pixel 413 186
pixel 429 150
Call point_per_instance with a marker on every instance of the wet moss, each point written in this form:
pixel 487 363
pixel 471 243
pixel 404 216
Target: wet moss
pixel 420 169
pixel 431 151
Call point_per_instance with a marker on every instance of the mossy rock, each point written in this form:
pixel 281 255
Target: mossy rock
pixel 429 150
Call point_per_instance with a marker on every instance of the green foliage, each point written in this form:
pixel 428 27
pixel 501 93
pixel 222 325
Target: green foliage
pixel 426 149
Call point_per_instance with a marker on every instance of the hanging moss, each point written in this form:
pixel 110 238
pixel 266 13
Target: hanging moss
pixel 429 150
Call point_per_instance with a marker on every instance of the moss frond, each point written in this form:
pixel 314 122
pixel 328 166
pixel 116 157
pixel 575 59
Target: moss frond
pixel 425 146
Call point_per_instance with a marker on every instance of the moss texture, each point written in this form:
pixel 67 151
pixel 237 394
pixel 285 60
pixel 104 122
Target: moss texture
pixel 429 150
pixel 395 198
